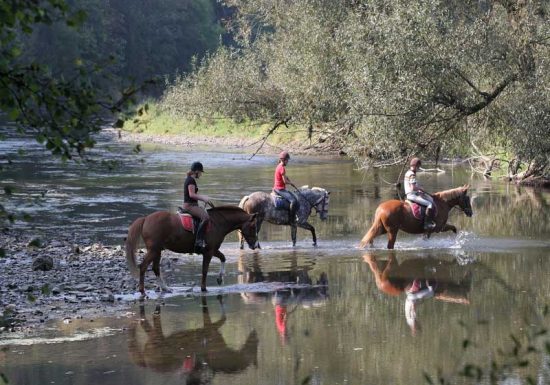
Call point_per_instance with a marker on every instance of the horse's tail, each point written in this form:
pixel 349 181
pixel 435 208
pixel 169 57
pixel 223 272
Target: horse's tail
pixel 243 201
pixel 134 235
pixel 375 230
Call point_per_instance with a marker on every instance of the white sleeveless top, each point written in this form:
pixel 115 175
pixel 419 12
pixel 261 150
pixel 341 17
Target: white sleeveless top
pixel 410 179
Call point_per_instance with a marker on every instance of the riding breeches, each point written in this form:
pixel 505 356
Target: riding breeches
pixel 196 211
pixel 289 197
pixel 422 199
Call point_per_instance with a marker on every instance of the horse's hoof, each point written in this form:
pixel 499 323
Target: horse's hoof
pixel 241 247
pixel 166 290
pixel 219 280
pixel 203 289
pixel 314 244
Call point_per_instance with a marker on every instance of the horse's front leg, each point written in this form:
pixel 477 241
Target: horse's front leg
pixel 309 227
pixel 206 258
pixel 293 230
pixel 220 255
pixel 448 227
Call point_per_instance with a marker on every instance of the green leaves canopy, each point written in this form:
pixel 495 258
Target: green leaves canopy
pixel 382 79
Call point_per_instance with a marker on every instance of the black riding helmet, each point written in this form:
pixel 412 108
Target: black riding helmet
pixel 197 166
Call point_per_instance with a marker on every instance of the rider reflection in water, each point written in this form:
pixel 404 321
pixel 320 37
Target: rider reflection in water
pixel 191 198
pixel 280 181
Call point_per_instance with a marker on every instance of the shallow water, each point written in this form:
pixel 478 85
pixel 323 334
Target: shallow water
pixel 292 315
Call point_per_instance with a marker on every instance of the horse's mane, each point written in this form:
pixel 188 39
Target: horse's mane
pixel 306 187
pixel 451 194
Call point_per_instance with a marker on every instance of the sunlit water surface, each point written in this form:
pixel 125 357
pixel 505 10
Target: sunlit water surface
pixel 334 314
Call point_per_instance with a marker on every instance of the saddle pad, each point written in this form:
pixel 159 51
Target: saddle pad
pixel 187 222
pixel 417 210
pixel 279 202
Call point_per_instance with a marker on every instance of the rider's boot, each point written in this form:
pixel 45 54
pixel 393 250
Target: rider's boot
pixel 200 244
pixel 429 223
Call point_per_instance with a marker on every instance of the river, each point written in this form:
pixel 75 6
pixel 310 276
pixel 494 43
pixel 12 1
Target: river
pixel 287 315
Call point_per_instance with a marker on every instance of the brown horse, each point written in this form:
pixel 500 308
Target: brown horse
pixel 193 353
pixel 162 230
pixel 394 215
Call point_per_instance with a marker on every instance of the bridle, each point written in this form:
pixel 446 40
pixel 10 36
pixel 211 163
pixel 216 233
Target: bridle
pixel 323 199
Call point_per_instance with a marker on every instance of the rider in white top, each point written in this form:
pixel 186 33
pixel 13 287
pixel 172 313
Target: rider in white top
pixel 416 194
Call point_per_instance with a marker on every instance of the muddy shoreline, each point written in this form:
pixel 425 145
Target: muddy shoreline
pixel 61 279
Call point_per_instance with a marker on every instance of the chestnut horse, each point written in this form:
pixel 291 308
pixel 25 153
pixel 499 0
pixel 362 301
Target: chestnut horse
pixel 394 215
pixel 162 230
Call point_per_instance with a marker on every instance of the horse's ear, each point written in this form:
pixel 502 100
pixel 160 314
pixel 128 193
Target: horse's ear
pixel 466 187
pixel 253 216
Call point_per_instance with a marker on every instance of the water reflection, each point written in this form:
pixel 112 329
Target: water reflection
pixel 298 288
pixel 196 355
pixel 420 279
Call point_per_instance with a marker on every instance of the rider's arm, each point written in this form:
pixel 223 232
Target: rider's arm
pixel 194 195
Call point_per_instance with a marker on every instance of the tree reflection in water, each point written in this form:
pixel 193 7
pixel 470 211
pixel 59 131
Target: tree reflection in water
pixel 196 354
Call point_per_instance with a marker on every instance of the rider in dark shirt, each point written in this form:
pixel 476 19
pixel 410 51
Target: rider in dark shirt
pixel 191 197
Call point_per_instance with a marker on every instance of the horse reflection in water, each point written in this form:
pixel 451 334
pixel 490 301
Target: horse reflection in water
pixel 298 288
pixel 196 354
pixel 419 279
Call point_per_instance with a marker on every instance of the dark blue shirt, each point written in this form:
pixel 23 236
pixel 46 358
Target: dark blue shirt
pixel 189 181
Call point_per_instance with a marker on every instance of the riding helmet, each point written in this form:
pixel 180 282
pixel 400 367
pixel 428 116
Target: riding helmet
pixel 284 155
pixel 197 166
pixel 415 162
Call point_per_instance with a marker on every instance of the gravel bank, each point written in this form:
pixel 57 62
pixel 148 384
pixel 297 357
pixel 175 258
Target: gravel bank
pixel 60 279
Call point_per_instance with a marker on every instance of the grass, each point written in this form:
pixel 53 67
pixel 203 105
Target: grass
pixel 151 120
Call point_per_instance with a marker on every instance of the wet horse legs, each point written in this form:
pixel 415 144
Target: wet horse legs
pixel 153 255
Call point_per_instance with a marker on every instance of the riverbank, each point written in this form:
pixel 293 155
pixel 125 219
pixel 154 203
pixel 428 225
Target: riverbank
pixel 61 279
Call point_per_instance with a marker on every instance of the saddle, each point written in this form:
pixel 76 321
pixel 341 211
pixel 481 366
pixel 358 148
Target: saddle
pixel 280 203
pixel 188 222
pixel 419 211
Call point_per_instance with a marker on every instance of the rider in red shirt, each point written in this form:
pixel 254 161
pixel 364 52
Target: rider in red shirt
pixel 280 181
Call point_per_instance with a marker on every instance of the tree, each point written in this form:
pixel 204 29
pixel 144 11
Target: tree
pixel 382 80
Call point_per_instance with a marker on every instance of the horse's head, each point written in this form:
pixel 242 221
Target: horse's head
pixel 320 201
pixel 464 201
pixel 249 231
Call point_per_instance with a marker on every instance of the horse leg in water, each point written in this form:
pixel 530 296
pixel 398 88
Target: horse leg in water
pixel 206 258
pixel 293 229
pixel 156 270
pixel 309 227
pixel 392 236
pixel 375 230
pixel 153 255
pixel 220 255
pixel 449 227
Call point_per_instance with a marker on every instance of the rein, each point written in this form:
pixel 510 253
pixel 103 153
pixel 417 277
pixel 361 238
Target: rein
pixel 314 205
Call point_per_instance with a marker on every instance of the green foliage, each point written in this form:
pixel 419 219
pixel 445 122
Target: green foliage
pixel 383 80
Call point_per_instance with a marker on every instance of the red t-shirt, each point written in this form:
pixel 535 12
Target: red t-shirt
pixel 279 180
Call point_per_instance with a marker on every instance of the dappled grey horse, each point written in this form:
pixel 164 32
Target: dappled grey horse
pixel 264 206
